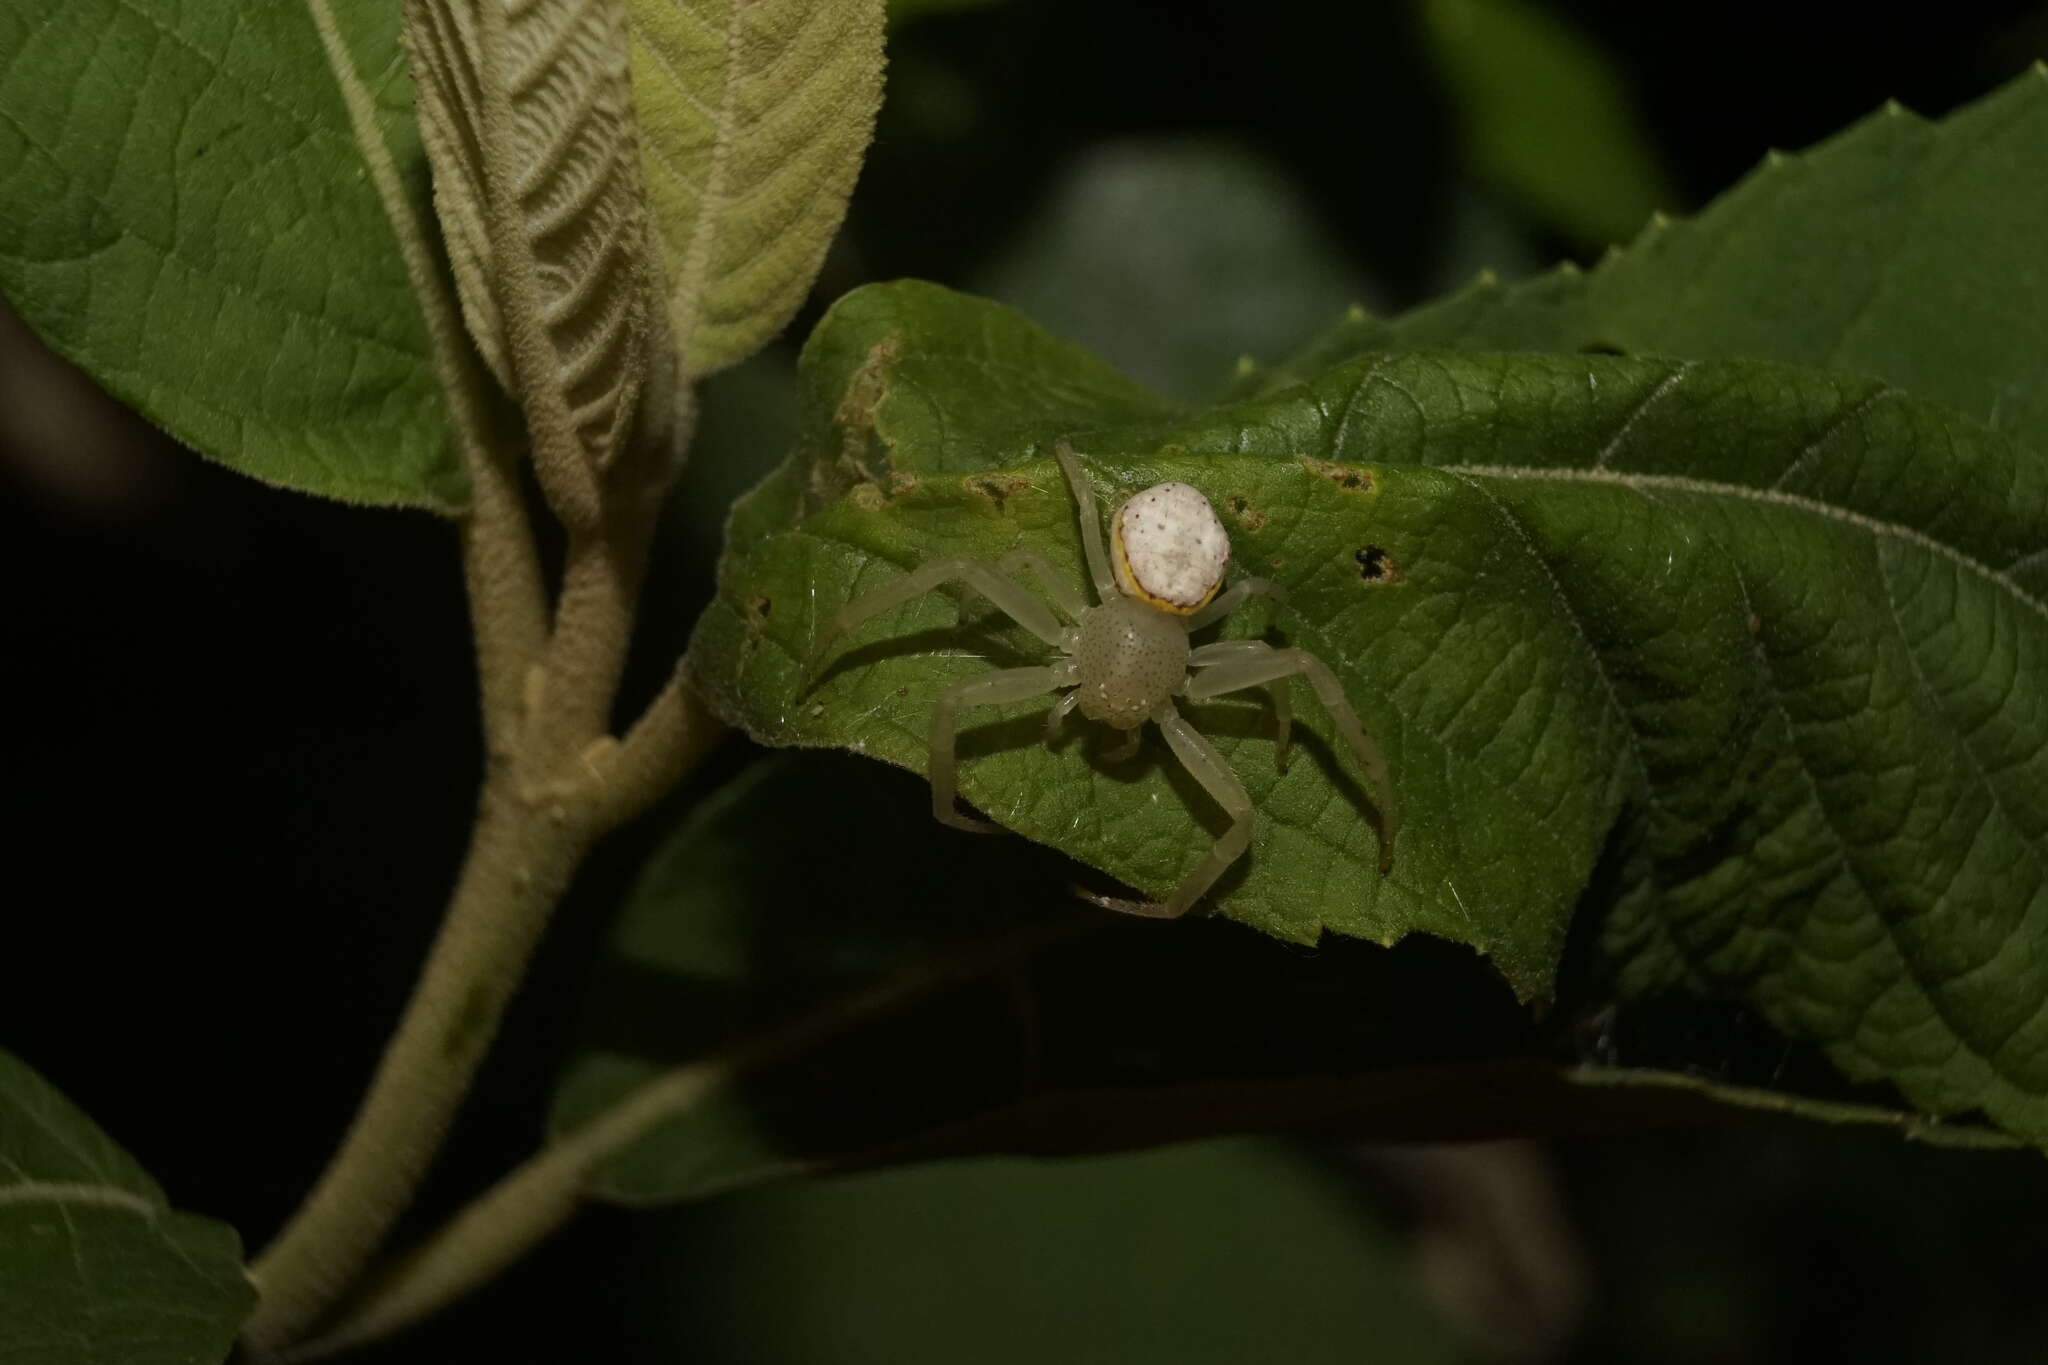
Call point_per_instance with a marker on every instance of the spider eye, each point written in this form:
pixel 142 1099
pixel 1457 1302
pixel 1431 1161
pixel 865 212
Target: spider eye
pixel 1170 548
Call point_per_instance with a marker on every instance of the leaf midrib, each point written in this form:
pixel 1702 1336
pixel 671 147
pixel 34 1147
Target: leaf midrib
pixel 1677 483
pixel 1643 483
pixel 687 296
pixel 69 1192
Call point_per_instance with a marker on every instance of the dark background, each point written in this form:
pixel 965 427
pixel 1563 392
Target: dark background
pixel 241 745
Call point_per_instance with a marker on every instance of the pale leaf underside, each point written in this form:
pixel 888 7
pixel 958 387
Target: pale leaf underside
pixel 526 110
pixel 754 116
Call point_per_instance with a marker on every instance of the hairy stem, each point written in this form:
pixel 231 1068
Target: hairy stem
pixel 520 860
pixel 671 736
pixel 524 1208
pixel 547 690
pixel 508 604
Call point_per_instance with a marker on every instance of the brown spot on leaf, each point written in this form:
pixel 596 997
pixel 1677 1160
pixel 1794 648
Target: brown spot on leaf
pixel 1351 477
pixel 863 456
pixel 760 606
pixel 869 384
pixel 997 488
pixel 1248 516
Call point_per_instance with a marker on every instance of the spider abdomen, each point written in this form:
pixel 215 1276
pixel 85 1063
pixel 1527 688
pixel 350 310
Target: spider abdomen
pixel 1130 657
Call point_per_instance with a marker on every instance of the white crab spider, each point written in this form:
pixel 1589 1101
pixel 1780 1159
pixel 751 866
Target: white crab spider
pixel 1156 582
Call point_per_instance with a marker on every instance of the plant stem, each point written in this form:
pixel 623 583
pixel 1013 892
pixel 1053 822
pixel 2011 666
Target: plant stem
pixel 520 860
pixel 507 602
pixel 547 689
pixel 670 737
pixel 516 1214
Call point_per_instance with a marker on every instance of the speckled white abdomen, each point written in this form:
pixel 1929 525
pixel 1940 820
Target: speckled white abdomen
pixel 1170 548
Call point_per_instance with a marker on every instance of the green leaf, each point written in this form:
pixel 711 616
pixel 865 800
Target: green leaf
pixel 884 372
pixel 98 1269
pixel 1902 249
pixel 889 362
pixel 1033 1025
pixel 754 115
pixel 1544 114
pixel 1226 1252
pixel 1760 647
pixel 192 221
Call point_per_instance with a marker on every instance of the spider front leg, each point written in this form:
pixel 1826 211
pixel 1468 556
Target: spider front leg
pixel 1009 597
pixel 1069 599
pixel 990 689
pixel 1207 767
pixel 1092 543
pixel 1269 665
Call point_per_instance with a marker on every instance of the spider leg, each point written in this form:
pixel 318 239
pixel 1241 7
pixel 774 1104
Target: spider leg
pixel 1069 599
pixel 1009 597
pixel 1222 651
pixel 1091 522
pixel 1234 597
pixel 1276 664
pixel 990 689
pixel 1207 767
pixel 1056 719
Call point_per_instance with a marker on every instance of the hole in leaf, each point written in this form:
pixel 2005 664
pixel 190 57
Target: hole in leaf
pixel 1375 565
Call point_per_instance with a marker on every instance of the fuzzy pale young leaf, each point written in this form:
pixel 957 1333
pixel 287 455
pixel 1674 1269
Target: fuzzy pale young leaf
pixel 526 110
pixel 754 115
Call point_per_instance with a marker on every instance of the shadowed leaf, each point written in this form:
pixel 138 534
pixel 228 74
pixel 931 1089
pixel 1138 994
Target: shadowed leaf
pixel 97 1269
pixel 1210 1255
pixel 1545 115
pixel 1044 1027
pixel 1903 249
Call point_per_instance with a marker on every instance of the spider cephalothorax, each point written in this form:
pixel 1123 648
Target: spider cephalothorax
pixel 1124 660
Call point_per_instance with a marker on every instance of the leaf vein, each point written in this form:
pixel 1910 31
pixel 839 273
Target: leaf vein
pixel 1679 483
